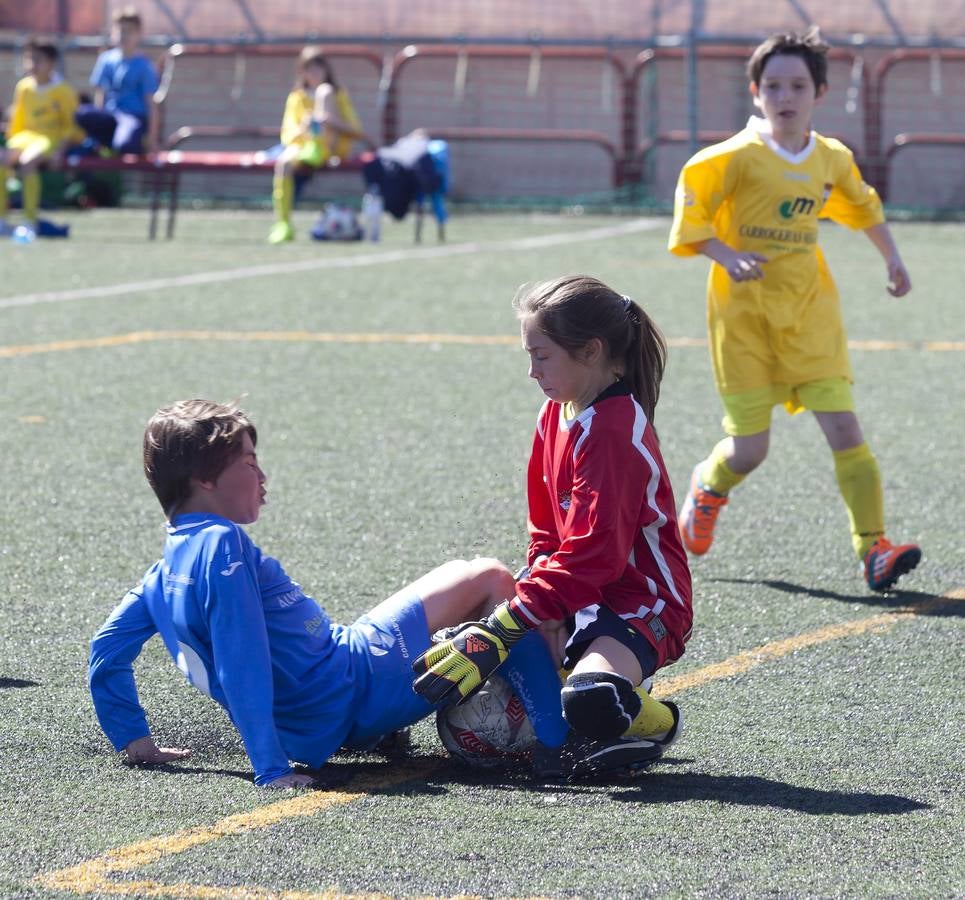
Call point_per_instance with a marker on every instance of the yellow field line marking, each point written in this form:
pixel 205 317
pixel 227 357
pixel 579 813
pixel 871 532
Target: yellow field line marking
pixel 92 876
pixel 750 659
pixel 334 337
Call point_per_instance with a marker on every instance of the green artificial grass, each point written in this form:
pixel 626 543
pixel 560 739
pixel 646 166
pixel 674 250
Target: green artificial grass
pixel 833 770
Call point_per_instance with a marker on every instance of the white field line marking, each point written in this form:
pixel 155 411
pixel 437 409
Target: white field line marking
pixel 346 262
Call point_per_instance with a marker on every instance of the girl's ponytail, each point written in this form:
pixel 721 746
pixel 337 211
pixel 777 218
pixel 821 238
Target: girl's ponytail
pixel 646 358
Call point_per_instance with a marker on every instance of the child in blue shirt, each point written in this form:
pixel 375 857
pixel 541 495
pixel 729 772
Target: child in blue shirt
pixel 123 117
pixel 296 685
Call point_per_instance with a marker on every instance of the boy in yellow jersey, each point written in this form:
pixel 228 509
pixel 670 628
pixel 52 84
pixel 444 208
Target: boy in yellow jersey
pixel 751 204
pixel 41 127
pixel 319 123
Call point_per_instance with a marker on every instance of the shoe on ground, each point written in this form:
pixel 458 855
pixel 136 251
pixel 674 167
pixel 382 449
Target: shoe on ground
pixel 395 745
pixel 581 757
pixel 698 515
pixel 885 563
pixel 48 229
pixel 281 232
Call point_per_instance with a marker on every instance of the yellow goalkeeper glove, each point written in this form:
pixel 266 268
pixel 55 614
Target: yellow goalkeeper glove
pixel 451 672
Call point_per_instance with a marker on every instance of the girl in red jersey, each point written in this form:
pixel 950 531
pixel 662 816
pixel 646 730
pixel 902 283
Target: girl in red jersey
pixel 604 553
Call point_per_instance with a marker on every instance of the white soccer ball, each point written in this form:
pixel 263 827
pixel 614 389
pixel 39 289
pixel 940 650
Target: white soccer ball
pixel 490 729
pixel 337 223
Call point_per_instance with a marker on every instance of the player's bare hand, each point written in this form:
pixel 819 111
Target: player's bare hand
pixel 145 751
pixel 899 281
pixel 291 781
pixel 746 266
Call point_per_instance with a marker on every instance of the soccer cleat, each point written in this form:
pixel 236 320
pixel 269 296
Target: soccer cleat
pixel 584 758
pixel 395 744
pixel 698 515
pixel 281 232
pixel 48 229
pixel 885 563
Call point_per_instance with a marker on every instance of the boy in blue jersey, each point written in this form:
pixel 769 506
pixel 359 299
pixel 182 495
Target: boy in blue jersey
pixel 123 117
pixel 296 685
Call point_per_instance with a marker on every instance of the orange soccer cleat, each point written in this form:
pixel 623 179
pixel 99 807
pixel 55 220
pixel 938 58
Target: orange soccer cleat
pixel 885 563
pixel 699 515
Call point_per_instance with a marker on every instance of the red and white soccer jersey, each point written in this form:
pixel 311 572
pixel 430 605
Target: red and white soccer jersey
pixel 602 512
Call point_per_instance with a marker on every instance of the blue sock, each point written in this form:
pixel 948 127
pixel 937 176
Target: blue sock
pixel 534 679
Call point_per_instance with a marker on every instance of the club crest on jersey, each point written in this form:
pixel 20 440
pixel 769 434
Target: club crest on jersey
pixel 565 499
pixel 657 628
pixel 792 207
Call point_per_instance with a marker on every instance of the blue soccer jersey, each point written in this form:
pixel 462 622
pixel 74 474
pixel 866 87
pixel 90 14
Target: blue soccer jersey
pixel 127 81
pixel 245 634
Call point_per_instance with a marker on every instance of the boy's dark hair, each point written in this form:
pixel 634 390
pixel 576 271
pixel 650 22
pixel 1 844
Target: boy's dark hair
pixel 43 47
pixel 191 439
pixel 810 47
pixel 576 308
pixel 127 15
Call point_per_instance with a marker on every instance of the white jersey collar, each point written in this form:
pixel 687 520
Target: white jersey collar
pixel 763 128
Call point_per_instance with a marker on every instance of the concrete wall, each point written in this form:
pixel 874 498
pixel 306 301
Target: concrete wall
pixel 248 89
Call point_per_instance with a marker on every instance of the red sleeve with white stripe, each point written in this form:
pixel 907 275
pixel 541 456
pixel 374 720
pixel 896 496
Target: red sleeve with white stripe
pixel 609 489
pixel 543 537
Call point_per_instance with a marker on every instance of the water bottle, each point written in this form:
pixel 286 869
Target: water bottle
pixel 372 212
pixel 23 234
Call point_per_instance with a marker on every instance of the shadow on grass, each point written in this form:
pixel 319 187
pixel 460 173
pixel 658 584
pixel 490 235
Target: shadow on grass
pixel 178 769
pixel 922 603
pixel 17 683
pixel 752 790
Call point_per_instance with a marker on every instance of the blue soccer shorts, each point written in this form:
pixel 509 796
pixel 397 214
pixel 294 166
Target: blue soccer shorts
pixel 391 636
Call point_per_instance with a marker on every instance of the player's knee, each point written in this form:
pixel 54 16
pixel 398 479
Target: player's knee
pixel 498 579
pixel 599 705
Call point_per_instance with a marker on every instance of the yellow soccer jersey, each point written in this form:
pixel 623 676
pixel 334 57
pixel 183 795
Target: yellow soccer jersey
pixel 298 113
pixel 754 196
pixel 45 109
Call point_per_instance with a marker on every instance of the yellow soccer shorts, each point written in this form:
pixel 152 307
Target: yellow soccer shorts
pixel 24 140
pixel 749 412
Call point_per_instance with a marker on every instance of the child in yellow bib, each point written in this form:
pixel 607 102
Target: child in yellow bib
pixel 319 124
pixel 751 204
pixel 41 127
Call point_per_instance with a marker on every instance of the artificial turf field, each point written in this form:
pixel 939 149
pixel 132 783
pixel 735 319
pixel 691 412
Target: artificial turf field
pixel 823 752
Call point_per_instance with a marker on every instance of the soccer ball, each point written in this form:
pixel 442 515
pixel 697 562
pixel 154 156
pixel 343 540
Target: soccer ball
pixel 489 729
pixel 337 223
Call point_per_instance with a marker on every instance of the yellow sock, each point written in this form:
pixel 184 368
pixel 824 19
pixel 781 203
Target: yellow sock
pixel 654 717
pixel 716 474
pixel 4 201
pixel 282 194
pixel 31 195
pixel 860 484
